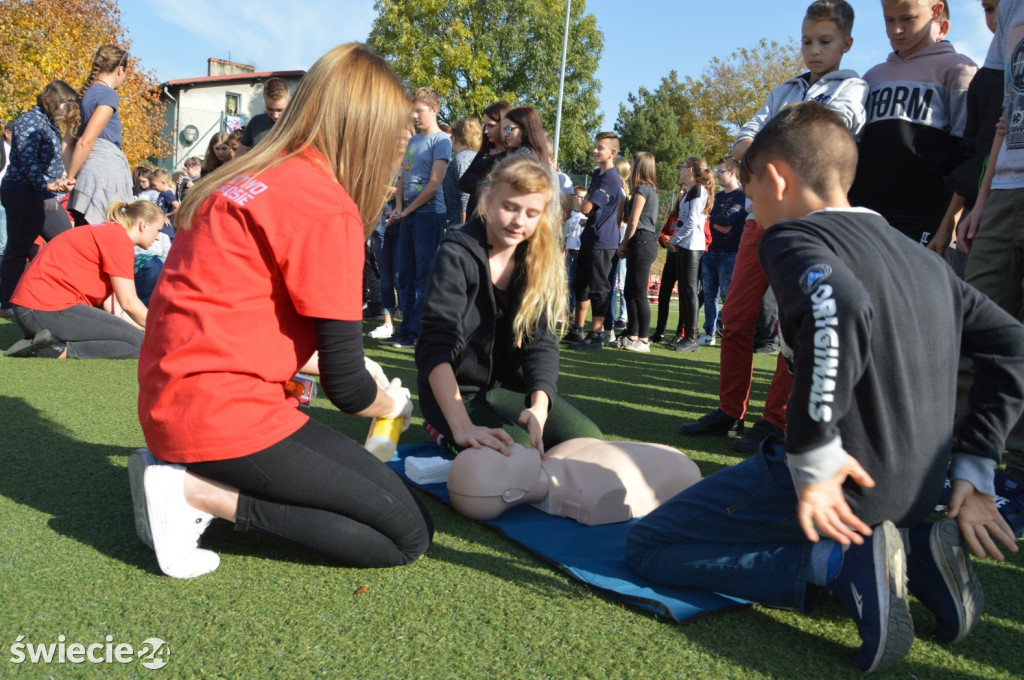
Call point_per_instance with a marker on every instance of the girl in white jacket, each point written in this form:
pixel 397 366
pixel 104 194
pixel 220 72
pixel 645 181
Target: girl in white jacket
pixel 689 243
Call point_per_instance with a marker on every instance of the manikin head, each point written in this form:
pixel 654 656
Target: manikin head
pixel 483 483
pixel 588 480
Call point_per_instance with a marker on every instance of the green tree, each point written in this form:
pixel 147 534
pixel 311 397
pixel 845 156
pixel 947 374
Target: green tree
pixel 661 123
pixel 730 92
pixel 474 53
pixel 44 40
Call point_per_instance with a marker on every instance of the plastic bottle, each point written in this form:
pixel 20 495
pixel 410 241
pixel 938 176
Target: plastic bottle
pixel 303 387
pixel 383 437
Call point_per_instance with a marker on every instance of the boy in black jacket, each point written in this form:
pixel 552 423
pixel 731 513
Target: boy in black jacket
pixel 871 356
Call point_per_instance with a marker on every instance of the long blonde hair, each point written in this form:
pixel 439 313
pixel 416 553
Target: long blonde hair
pixel 127 214
pixel 544 298
pixel 351 108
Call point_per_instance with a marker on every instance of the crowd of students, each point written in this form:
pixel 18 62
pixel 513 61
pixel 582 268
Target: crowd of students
pixel 485 246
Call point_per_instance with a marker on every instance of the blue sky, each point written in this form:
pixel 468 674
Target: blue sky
pixel 644 39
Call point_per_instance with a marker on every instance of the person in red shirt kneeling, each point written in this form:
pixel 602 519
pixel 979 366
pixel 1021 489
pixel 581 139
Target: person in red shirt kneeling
pixel 64 300
pixel 266 269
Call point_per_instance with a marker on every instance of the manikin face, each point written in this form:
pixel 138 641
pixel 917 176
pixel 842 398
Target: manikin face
pixel 822 46
pixel 275 107
pixel 512 216
pixel 423 116
pixel 222 151
pixel 511 134
pixel 908 24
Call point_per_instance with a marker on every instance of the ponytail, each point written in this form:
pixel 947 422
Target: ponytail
pixel 127 214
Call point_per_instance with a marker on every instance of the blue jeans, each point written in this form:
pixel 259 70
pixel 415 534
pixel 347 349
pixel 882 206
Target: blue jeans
pixel 570 273
pixel 385 249
pixel 734 533
pixel 418 238
pixel 716 271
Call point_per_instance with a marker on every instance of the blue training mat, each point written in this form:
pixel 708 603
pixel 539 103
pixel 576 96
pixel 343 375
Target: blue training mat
pixel 591 554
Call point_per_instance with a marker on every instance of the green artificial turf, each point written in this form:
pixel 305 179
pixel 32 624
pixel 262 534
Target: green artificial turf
pixel 476 606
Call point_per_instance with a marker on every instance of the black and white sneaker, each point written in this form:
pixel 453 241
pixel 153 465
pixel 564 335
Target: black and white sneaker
pixel 872 584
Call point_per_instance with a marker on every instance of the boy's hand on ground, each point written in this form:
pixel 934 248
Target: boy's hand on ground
pixel 477 436
pixel 980 521
pixel 822 507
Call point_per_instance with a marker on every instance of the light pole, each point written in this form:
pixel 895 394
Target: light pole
pixel 561 80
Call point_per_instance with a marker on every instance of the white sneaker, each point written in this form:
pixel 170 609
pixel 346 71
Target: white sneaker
pixel 706 340
pixel 382 332
pixel 637 345
pixel 137 464
pixel 174 525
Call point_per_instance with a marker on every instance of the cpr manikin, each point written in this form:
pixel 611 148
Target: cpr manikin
pixel 588 480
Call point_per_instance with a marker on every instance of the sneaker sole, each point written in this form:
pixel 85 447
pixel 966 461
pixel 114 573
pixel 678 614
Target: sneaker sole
pixel 957 573
pixel 897 628
pixel 137 464
pixel 29 347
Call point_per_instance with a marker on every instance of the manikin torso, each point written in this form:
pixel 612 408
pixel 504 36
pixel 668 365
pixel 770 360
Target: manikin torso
pixel 588 480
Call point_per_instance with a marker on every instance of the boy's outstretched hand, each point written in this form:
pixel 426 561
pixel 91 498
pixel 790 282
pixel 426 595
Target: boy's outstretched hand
pixel 979 520
pixel 822 507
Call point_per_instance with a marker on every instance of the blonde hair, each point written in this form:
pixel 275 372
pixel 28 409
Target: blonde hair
pixel 127 214
pixel 544 298
pixel 703 177
pixel 644 170
pixel 624 168
pixel 160 175
pixel 428 96
pixel 106 60
pixel 351 108
pixel 468 133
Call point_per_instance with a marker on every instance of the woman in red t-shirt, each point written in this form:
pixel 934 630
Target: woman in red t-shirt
pixel 61 298
pixel 265 270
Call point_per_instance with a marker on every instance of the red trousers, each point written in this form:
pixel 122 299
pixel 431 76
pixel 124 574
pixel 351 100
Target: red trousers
pixel 742 309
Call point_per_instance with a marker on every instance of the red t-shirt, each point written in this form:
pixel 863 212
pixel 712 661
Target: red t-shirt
pixel 75 269
pixel 232 317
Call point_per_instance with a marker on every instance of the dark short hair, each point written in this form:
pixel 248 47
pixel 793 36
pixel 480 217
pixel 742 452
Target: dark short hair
pixel 838 11
pixel 813 140
pixel 730 163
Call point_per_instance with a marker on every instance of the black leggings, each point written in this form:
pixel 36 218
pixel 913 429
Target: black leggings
pixel 643 248
pixel 322 490
pixel 668 282
pixel 688 270
pixel 27 219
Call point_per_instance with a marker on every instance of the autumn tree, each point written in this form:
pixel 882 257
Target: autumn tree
pixel 730 92
pixel 45 40
pixel 662 123
pixel 474 53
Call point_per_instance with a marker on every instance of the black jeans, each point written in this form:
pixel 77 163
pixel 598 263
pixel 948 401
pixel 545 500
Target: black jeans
pixel 320 489
pixel 27 219
pixel 643 248
pixel 688 270
pixel 90 332
pixel 668 282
